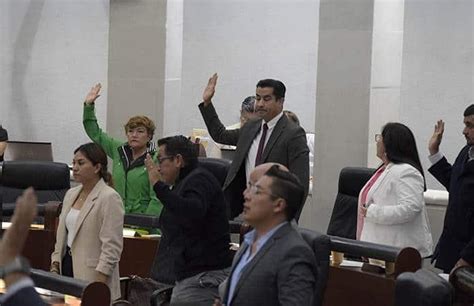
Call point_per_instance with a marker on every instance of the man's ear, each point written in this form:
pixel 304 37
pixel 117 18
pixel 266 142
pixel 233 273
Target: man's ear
pixel 179 160
pixel 279 205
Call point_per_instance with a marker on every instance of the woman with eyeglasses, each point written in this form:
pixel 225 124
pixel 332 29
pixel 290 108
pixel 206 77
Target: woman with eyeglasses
pixel 391 205
pixel 89 238
pixel 129 173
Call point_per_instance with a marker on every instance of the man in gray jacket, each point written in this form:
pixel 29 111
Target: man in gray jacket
pixel 274 265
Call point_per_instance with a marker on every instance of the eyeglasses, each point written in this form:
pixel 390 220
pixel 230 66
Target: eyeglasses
pixel 256 190
pixel 378 137
pixel 161 159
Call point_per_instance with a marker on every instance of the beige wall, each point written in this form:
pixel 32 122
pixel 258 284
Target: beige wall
pixel 137 42
pixel 342 95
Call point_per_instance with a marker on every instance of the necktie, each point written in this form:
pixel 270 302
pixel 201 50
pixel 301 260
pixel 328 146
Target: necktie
pixel 261 145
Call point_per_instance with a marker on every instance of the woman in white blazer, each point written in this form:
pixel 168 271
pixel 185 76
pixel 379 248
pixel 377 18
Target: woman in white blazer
pixel 391 205
pixel 89 239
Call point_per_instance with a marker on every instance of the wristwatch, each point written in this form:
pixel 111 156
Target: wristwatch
pixel 17 265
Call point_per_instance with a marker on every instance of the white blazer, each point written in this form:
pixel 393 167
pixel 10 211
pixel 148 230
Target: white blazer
pixel 397 214
pixel 98 241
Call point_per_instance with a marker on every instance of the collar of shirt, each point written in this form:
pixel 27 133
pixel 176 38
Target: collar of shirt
pixel 271 124
pixel 470 153
pixel 250 237
pixel 247 257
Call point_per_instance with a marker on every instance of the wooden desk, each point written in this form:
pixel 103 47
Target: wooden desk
pixel 355 287
pixel 137 255
pixel 352 286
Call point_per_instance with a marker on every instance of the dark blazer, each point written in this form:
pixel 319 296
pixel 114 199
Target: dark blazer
pixel 24 297
pixel 457 239
pixel 194 227
pixel 283 272
pixel 286 145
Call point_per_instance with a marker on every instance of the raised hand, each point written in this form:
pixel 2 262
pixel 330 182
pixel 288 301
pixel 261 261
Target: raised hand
pixel 93 94
pixel 209 90
pixel 15 237
pixel 152 169
pixel 435 140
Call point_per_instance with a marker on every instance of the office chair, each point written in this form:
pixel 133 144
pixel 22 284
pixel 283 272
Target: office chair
pixel 343 221
pixel 50 180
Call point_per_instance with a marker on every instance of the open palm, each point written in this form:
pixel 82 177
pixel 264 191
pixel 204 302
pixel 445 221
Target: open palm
pixel 93 93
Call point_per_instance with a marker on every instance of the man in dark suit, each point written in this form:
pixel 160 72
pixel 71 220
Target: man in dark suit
pixel 274 265
pixel 20 288
pixel 456 245
pixel 269 138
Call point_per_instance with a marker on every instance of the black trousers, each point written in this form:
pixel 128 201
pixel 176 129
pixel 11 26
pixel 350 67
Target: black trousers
pixel 66 265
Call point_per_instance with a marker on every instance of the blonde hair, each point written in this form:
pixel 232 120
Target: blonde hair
pixel 137 121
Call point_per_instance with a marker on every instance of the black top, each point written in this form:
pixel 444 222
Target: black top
pixel 195 231
pixel 3 137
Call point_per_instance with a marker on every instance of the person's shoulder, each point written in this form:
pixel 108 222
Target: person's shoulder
pixel 109 191
pixel 405 169
pixel 294 244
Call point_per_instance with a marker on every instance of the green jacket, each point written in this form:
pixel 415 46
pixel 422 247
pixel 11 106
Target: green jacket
pixel 130 181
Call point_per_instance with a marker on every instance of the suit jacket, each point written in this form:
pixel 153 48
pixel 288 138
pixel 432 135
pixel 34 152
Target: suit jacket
pixel 457 238
pixel 98 242
pixel 24 297
pixel 286 145
pixel 283 272
pixel 397 212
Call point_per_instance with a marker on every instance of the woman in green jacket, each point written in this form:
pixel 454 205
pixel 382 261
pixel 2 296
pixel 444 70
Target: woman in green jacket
pixel 129 172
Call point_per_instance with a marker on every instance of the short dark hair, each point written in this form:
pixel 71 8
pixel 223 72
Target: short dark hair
pixel 292 116
pixel 469 110
pixel 279 88
pixel 96 155
pixel 400 145
pixel 287 186
pixel 180 145
pixel 248 105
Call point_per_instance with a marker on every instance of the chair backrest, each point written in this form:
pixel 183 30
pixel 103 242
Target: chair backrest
pixel 321 246
pixel 422 288
pixel 343 221
pixel 50 180
pixel 218 167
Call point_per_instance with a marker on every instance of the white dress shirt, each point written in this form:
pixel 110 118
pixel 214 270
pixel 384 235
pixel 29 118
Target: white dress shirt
pixel 252 154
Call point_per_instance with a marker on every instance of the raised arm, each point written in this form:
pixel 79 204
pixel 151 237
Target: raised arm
pixel 435 140
pixel 440 169
pixel 91 126
pixel 215 127
pixel 20 289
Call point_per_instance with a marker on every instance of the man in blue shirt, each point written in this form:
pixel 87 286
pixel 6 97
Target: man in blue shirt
pixel 274 266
